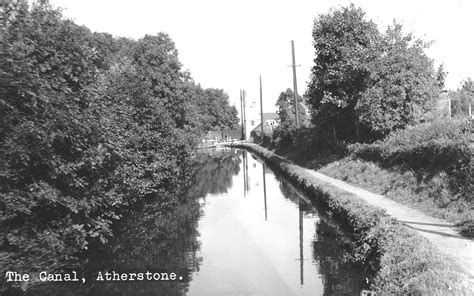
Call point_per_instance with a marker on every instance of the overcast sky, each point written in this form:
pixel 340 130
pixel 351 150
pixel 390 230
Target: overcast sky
pixel 228 44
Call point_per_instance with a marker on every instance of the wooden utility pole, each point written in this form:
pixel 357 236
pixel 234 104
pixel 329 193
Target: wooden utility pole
pixel 261 110
pixel 242 115
pixel 264 190
pixel 245 119
pixel 295 88
pixel 244 161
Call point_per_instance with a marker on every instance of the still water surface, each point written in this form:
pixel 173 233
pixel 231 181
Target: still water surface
pixel 239 230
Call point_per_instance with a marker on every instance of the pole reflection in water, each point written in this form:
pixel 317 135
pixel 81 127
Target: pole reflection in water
pixel 244 156
pixel 264 190
pixel 301 241
pixel 245 169
pixel 247 188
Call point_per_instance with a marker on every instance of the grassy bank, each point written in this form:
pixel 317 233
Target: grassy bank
pixel 427 166
pixel 402 262
pixel 402 186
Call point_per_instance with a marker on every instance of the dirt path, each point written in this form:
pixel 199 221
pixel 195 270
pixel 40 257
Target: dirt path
pixel 440 232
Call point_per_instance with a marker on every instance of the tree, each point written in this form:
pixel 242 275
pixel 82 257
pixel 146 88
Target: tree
pixel 222 115
pixel 441 76
pixel 147 89
pixel 286 110
pixel 344 42
pixel 366 81
pixel 213 111
pixel 403 84
pixel 58 170
pixel 462 98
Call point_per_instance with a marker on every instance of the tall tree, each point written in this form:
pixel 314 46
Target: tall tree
pixel 57 169
pixel 286 110
pixel 344 42
pixel 222 115
pixel 361 78
pixel 213 108
pixel 403 83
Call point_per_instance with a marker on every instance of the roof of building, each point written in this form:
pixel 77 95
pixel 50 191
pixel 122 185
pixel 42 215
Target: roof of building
pixel 270 115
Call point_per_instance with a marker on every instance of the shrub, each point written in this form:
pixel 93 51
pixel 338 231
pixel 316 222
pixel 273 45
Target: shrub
pixel 306 142
pixel 427 149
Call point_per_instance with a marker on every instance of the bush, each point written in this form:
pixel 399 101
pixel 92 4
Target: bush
pixel 307 142
pixel 427 149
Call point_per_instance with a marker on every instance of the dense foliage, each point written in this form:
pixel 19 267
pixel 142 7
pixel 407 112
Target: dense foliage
pixel 89 124
pixel 402 84
pixel 216 113
pixel 286 128
pixel 286 111
pixel 365 83
pixel 428 150
pixel 345 46
pixel 305 144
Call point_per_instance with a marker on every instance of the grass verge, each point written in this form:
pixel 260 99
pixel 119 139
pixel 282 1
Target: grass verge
pixel 403 186
pixel 427 166
pixel 403 263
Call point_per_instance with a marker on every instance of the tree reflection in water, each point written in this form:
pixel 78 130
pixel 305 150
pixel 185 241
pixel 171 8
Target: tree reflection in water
pixel 213 171
pixel 159 236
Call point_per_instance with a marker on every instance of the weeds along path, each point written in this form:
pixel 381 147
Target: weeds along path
pixel 440 232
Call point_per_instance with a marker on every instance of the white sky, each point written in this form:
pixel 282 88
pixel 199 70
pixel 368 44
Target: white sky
pixel 228 44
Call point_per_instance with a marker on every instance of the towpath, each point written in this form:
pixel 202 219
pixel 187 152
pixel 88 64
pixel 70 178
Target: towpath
pixel 440 232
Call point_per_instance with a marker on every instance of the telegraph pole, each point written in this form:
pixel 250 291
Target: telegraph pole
pixel 264 190
pixel 295 89
pixel 242 115
pixel 261 109
pixel 245 119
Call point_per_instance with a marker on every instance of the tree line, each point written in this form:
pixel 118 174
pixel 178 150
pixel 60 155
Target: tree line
pixel 90 123
pixel 366 83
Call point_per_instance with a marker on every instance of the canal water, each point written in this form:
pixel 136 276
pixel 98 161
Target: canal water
pixel 240 229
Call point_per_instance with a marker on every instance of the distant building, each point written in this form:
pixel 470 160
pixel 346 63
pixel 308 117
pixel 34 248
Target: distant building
pixel 270 122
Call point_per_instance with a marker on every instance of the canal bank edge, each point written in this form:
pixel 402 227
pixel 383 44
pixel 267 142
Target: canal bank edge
pixel 402 261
